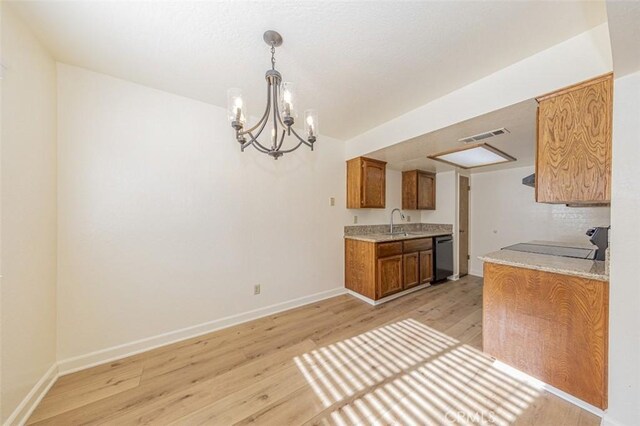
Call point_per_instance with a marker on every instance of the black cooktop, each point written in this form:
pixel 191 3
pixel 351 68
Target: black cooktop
pixel 577 252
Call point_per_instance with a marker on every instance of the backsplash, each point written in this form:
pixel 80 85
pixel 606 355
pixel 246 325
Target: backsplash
pixel 406 227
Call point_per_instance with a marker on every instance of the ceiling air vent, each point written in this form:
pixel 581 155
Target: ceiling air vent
pixel 485 135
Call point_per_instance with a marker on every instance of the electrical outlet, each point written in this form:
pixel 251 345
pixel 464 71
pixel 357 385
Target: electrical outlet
pixel 332 201
pixel 256 289
pixel 355 219
pixel 408 218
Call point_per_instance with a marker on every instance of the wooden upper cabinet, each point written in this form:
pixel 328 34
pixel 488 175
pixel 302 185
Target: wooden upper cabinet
pixel 366 183
pixel 573 161
pixel 418 190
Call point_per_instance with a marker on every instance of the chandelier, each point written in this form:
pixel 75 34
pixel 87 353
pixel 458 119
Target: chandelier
pixel 280 112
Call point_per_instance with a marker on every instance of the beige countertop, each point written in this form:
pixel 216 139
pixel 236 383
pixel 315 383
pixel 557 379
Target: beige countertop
pixel 383 238
pixel 591 269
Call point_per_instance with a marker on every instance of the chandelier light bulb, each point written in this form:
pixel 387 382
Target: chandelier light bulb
pixel 287 102
pixel 311 123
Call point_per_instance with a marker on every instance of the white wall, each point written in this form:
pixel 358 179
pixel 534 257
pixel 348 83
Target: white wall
pixel 624 297
pixel 28 219
pixel 576 59
pixel 503 211
pixel 165 224
pixel 446 196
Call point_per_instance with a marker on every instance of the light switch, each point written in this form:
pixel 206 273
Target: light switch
pixel 355 219
pixel 332 201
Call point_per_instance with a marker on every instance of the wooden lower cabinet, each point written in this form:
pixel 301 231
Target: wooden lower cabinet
pixel 378 270
pixel 389 275
pixel 411 270
pixel 551 326
pixel 426 266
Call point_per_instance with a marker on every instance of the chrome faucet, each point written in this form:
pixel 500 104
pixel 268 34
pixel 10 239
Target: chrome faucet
pixel 391 222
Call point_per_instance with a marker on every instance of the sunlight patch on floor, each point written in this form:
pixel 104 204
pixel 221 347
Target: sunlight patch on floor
pixel 408 373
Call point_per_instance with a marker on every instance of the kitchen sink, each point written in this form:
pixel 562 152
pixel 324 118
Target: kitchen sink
pixel 401 234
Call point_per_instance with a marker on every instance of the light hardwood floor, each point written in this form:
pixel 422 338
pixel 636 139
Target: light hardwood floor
pixel 414 360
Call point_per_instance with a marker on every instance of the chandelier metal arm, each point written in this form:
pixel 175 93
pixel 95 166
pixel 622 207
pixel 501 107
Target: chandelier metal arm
pixel 284 132
pixel 309 144
pixel 276 115
pixel 277 110
pixel 253 140
pixel 262 123
pixel 257 145
pixel 265 116
pixel 292 149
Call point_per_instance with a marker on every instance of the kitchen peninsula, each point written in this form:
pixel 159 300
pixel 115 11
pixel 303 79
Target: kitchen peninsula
pixel 547 316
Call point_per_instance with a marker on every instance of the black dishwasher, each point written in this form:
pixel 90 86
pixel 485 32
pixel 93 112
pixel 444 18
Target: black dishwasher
pixel 443 258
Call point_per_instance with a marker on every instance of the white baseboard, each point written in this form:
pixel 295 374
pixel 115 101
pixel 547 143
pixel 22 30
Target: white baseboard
pixel 517 374
pixel 388 298
pixel 477 273
pixel 71 365
pixel 22 412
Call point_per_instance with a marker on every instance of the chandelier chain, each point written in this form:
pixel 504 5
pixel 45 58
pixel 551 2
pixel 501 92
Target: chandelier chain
pixel 273 57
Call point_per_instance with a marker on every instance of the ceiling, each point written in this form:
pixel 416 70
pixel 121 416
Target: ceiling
pixel 519 119
pixel 360 63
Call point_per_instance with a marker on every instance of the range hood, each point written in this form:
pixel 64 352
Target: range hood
pixel 530 180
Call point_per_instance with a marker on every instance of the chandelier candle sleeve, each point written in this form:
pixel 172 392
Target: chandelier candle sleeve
pixel 311 123
pixel 280 111
pixel 288 91
pixel 237 111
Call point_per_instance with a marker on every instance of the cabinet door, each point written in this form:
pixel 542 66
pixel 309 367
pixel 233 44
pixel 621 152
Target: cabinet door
pixel 373 184
pixel 426 191
pixel 573 162
pixel 389 275
pixel 426 266
pixel 354 183
pixel 410 190
pixel 411 270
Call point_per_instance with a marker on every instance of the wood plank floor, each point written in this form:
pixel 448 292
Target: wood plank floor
pixel 415 360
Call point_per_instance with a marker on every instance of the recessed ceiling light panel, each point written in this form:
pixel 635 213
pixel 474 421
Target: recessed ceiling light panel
pixel 471 156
